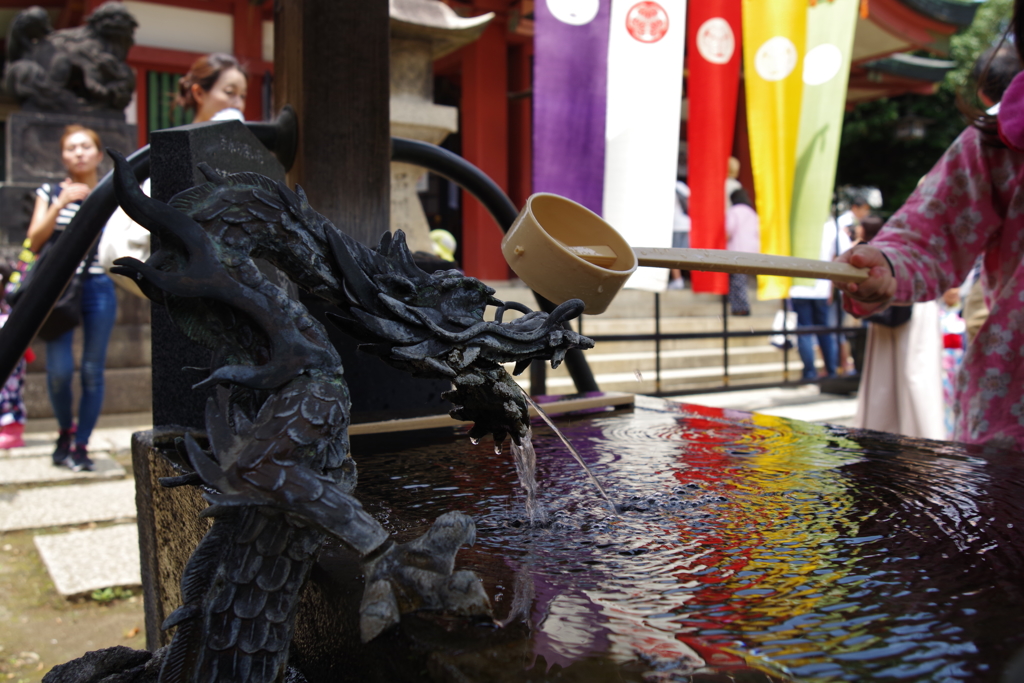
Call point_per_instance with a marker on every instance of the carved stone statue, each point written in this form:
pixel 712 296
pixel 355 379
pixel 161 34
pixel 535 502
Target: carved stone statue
pixel 74 70
pixel 274 463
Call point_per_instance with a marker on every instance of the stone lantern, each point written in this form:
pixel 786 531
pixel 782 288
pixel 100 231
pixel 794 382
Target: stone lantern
pixel 421 31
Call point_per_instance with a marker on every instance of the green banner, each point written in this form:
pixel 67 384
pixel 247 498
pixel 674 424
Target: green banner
pixel 830 29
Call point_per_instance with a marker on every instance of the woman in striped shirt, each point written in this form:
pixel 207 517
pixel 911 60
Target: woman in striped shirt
pixel 55 206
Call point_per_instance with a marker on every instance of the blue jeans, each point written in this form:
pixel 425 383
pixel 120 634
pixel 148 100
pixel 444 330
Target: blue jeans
pixel 99 309
pixel 815 312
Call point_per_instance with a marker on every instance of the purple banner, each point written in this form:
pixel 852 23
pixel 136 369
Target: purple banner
pixel 570 74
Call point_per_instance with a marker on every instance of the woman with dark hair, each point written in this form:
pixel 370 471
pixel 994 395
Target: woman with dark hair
pixel 55 206
pixel 743 233
pixel 214 88
pixel 970 204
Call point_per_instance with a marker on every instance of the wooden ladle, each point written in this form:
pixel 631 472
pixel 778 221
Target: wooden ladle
pixel 562 250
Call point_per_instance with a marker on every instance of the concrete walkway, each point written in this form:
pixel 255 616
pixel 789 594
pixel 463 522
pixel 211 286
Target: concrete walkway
pixel 34 494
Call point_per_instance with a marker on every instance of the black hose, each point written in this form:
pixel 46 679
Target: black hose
pixel 467 176
pixel 61 262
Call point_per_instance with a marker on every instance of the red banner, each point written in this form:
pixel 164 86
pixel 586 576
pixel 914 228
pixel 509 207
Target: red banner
pixel 713 56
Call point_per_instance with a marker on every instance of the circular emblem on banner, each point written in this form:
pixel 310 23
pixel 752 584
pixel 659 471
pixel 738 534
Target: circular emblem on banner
pixel 575 12
pixel 715 41
pixel 647 21
pixel 822 63
pixel 775 59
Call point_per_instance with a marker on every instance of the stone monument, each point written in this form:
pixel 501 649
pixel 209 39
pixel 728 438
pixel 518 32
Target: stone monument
pixel 421 32
pixel 75 75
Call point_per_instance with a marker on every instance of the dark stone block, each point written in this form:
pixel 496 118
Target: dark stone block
pixel 33 144
pixel 229 147
pixel 379 391
pixel 169 530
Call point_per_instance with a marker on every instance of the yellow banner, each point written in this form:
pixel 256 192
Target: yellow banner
pixel 774 35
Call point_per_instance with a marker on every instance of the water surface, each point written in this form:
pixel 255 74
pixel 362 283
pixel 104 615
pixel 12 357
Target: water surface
pixel 745 544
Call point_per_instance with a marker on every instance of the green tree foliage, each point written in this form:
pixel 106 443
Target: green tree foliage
pixel 990 23
pixel 870 151
pixel 871 154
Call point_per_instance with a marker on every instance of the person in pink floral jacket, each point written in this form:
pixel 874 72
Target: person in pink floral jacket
pixel 970 204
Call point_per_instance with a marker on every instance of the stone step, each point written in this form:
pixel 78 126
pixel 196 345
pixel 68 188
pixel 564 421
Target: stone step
pixel 41 470
pixel 50 506
pixel 84 561
pixel 643 360
pixel 128 390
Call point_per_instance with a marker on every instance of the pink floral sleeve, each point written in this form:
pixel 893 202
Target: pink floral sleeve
pixel 971 204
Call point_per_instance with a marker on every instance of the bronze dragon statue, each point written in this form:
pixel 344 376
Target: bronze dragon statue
pixel 278 473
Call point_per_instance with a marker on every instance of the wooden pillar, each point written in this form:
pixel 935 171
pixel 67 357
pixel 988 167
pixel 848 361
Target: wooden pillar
pixel 248 49
pixel 331 65
pixel 520 123
pixel 484 129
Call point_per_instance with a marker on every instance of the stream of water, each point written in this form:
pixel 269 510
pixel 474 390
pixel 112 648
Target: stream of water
pixel 526 467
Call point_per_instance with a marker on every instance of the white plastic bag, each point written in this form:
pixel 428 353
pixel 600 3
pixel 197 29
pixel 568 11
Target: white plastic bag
pixel 123 237
pixel 784 341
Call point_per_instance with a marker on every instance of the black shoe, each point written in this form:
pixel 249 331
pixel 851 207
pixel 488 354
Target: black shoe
pixel 63 450
pixel 79 460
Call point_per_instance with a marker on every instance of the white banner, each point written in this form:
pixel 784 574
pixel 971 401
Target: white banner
pixel 645 83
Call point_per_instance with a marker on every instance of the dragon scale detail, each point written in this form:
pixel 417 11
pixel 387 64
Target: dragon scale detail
pixel 277 470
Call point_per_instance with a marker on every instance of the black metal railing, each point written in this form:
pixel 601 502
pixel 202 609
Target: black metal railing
pixel 538 385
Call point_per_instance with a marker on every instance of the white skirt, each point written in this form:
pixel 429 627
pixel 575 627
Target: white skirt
pixel 901 390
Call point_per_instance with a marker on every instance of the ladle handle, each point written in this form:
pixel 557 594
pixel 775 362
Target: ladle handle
pixel 720 261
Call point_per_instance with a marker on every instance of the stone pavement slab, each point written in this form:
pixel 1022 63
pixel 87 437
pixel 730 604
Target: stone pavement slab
pixel 66 505
pixel 113 437
pixel 84 561
pixel 40 469
pixel 33 448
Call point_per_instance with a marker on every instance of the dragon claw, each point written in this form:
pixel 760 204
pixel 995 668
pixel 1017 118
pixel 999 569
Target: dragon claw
pixel 419 575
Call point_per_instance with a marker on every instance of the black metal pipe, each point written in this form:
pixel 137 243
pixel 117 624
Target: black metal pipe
pixel 61 262
pixel 464 174
pixel 470 178
pixel 657 342
pixel 725 339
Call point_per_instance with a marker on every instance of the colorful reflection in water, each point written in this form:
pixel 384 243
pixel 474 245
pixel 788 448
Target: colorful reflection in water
pixel 745 544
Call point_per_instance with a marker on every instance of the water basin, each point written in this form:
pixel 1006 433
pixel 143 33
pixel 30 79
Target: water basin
pixel 747 547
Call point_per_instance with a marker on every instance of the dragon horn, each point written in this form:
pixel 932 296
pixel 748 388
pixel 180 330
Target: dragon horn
pixel 151 214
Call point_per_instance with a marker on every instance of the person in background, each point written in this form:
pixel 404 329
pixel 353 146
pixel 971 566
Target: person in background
pixel 732 182
pixel 743 232
pixel 863 232
pixel 444 244
pixel 969 205
pixel 811 302
pixel 214 89
pixel 681 218
pixel 954 332
pixel 56 205
pixel 12 402
pixel 992 72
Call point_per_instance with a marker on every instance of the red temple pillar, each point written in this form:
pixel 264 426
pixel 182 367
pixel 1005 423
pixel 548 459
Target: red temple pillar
pixel 248 44
pixel 484 129
pixel 520 126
